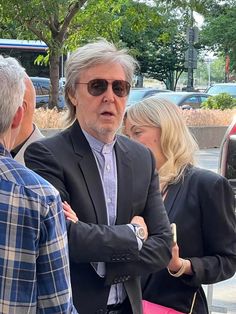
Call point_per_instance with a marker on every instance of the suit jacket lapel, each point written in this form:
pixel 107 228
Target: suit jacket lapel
pixel 125 186
pixel 88 166
pixel 173 191
pixel 172 194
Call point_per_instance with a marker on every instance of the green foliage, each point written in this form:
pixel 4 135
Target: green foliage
pixel 221 101
pixel 166 59
pixel 219 32
pixel 46 20
pixel 42 60
pixel 216 71
pixel 159 45
pixel 113 20
pixel 97 19
pixel 154 31
pixel 151 33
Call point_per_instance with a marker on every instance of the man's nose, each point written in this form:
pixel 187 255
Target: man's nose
pixel 109 94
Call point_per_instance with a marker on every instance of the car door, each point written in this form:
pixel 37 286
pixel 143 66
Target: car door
pixel 227 159
pixel 192 102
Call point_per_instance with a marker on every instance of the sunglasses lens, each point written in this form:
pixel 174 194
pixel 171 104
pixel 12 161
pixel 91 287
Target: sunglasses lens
pixel 120 88
pixel 97 87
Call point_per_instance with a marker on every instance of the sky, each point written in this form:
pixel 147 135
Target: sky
pixel 199 19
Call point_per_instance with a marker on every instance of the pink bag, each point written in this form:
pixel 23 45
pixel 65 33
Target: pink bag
pixel 152 308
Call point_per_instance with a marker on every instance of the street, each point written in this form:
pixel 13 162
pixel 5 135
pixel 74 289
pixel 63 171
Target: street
pixel 208 158
pixel 224 293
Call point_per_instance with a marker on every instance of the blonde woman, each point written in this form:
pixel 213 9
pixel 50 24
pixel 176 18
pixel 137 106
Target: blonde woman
pixel 198 201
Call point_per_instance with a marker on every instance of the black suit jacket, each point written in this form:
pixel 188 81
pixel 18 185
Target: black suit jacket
pixel 202 206
pixel 66 160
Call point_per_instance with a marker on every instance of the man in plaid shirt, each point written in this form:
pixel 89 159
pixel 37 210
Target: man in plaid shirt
pixel 34 267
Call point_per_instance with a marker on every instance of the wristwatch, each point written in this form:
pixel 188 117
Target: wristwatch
pixel 139 232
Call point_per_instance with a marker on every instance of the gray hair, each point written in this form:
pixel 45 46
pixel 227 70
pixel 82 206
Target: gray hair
pixel 12 88
pixel 99 52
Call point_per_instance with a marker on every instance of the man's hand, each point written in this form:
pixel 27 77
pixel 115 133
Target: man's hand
pixel 69 213
pixel 140 221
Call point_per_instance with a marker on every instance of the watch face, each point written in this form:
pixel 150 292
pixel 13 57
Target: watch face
pixel 141 233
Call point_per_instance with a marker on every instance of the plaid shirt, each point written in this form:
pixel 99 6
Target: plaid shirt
pixel 34 267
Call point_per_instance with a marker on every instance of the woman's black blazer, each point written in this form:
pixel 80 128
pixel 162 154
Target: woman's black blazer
pixel 202 206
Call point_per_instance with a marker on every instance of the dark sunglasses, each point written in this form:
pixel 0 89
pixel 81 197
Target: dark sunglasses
pixel 98 86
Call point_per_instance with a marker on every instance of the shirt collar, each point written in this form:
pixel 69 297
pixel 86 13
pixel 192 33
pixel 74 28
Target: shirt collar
pixel 4 151
pixel 97 145
pixel 15 151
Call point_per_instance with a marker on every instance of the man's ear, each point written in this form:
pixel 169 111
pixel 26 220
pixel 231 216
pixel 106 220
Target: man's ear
pixel 17 118
pixel 24 105
pixel 72 99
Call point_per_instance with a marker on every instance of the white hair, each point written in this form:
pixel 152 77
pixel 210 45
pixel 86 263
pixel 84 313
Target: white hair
pixel 12 88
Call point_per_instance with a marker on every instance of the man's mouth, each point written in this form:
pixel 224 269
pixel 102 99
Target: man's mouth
pixel 107 114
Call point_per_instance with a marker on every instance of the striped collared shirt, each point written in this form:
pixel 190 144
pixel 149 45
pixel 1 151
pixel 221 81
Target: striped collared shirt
pixel 34 267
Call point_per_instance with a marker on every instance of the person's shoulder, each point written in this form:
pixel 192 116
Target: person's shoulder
pixel 53 141
pixel 204 175
pixel 26 180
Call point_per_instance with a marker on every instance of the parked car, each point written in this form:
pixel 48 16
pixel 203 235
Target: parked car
pixel 185 100
pixel 227 160
pixel 42 88
pixel 137 94
pixel 215 89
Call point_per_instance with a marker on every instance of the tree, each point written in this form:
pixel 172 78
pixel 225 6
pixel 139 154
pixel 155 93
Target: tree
pixel 111 20
pixel 160 46
pixel 209 67
pixel 148 32
pixel 219 31
pixel 49 21
pixel 166 59
pixel 99 19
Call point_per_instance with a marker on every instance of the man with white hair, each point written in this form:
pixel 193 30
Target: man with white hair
pixel 110 182
pixel 34 268
pixel 28 132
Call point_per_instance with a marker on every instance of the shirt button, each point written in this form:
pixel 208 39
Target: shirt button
pixel 109 200
pixel 108 167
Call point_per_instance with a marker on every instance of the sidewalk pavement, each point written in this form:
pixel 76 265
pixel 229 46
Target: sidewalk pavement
pixel 224 296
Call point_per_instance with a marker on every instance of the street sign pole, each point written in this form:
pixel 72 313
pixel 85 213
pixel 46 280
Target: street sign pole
pixel 191 53
pixel 190 59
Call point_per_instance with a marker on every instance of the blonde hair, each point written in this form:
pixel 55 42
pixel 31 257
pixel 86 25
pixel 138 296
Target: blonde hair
pixel 177 143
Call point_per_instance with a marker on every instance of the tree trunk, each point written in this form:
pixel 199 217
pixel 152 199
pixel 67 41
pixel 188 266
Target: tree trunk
pixel 54 63
pixel 170 81
pixel 139 82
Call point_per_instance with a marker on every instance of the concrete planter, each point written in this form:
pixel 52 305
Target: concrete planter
pixel 206 136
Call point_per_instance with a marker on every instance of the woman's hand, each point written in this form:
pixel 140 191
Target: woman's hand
pixel 69 213
pixel 179 265
pixel 175 262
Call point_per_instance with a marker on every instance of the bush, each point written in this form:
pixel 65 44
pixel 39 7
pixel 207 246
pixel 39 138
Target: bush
pixel 222 101
pixel 52 118
pixel 209 117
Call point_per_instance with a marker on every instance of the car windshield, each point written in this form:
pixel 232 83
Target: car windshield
pixel 216 89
